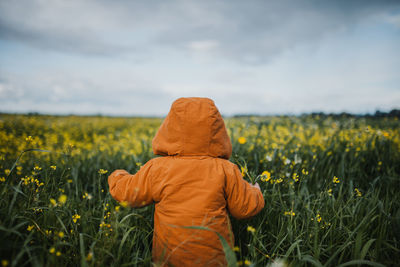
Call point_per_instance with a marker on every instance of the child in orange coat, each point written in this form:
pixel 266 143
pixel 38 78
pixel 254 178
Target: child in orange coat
pixel 192 184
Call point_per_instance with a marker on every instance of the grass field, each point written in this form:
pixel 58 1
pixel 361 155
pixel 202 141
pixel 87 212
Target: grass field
pixel 331 188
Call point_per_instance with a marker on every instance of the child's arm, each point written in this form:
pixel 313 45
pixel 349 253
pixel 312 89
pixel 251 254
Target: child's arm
pixel 132 188
pixel 243 199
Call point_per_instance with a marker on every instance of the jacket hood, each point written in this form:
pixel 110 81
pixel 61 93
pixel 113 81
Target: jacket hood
pixel 193 126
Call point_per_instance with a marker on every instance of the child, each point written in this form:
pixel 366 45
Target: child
pixel 192 184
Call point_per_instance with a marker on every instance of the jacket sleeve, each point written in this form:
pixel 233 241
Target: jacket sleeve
pixel 243 199
pixel 136 189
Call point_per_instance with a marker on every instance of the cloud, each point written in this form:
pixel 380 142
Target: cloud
pixel 78 94
pixel 246 32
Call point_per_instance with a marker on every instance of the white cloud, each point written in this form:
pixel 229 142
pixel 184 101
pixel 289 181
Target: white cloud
pixel 204 45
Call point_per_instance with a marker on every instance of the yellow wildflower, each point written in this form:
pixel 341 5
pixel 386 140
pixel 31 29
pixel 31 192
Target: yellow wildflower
pixel 52 250
pixel 87 195
pixel 247 262
pixel 75 217
pixel 29 139
pixel 289 213
pixel 242 140
pixel 89 256
pixel 37 168
pixel 53 202
pixel 30 227
pixel 53 167
pixel 2 179
pixel 335 180
pixel 267 176
pixel 124 204
pixel 58 254
pixel 62 199
pixel 243 170
pixel 329 191
pixel 117 208
pixel 319 218
pixel 236 248
pixel 7 171
pixel 4 263
pixel 101 171
pixel 358 193
pixel 295 177
pixel 61 234
pixel 251 229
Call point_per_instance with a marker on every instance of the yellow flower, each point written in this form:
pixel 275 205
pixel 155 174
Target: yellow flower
pixel 53 167
pixel 75 217
pixel 61 234
pixel 251 229
pixel 37 168
pixel 124 204
pixel 30 227
pixel 358 193
pixel 2 179
pixel 242 140
pixel 101 171
pixel 52 250
pixel 267 176
pixel 289 213
pixel 4 263
pixel 330 191
pixel 89 256
pixel 62 199
pixel 335 180
pixel 319 218
pixel 53 202
pixel 87 195
pixel 117 208
pixel 236 248
pixel 243 170
pixel 69 181
pixel 58 254
pixel 295 177
pixel 247 262
pixel 29 139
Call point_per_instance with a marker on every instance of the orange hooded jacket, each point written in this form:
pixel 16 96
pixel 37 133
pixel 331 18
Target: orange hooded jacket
pixel 192 184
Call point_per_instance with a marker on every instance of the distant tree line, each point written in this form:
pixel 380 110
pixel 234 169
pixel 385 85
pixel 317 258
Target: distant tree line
pixel 377 114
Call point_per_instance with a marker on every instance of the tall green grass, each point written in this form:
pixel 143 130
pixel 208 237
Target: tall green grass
pixel 308 221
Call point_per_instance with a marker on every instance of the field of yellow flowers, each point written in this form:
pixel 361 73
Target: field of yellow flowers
pixel 330 185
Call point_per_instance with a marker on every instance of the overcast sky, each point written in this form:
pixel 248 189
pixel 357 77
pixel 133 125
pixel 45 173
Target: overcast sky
pixel 136 57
